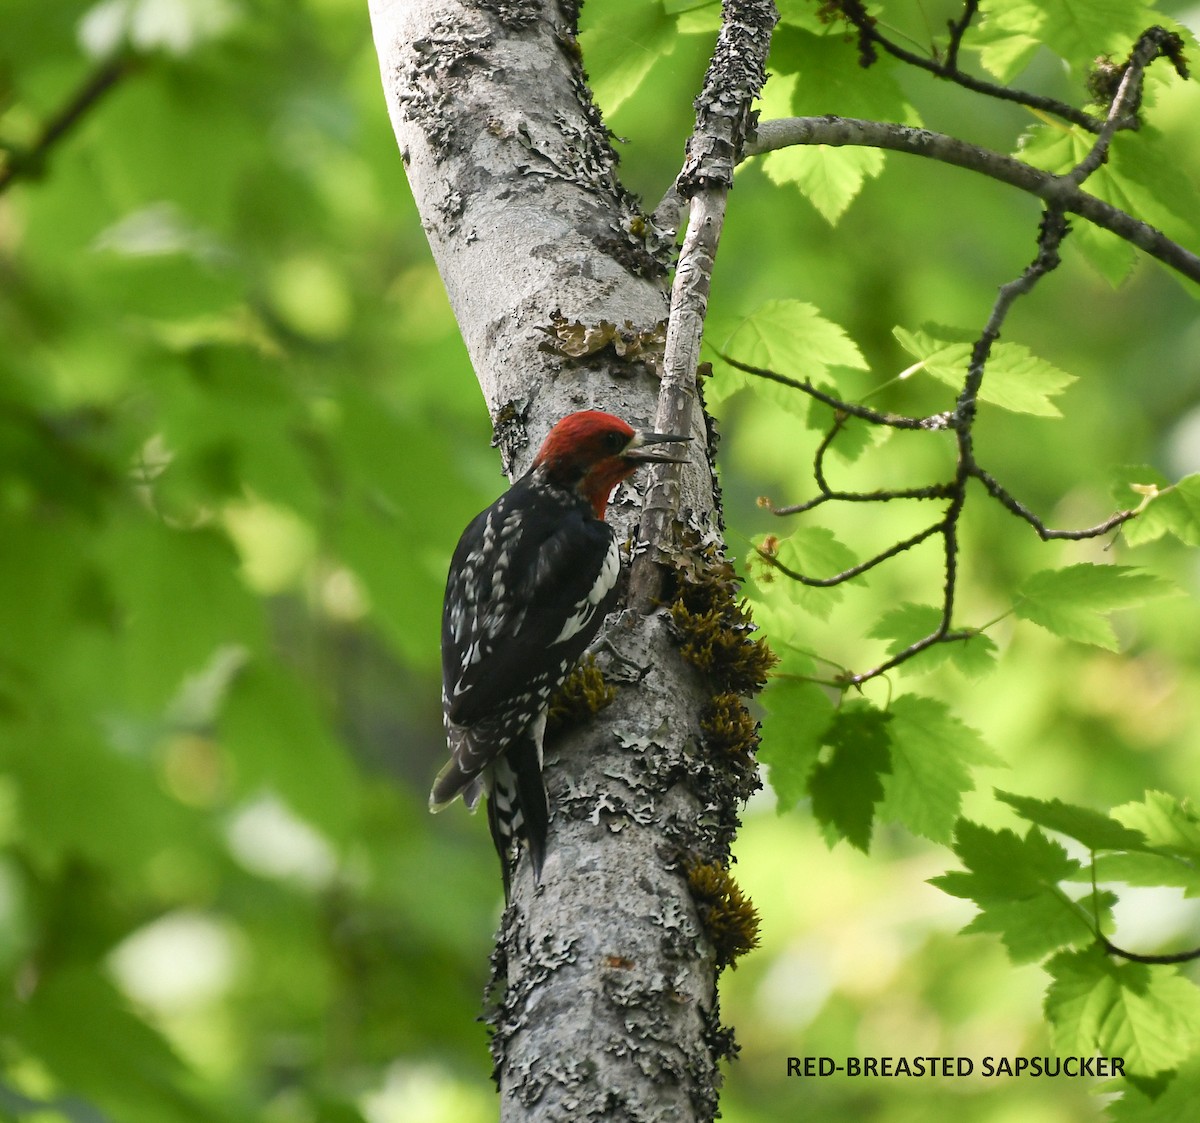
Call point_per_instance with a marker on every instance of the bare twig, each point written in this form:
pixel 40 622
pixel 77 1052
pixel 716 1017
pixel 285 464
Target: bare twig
pixel 854 570
pixel 933 491
pixel 1062 195
pixel 960 421
pixel 1045 533
pixel 723 118
pixel 1058 191
pixel 1155 43
pixel 958 28
pixel 1136 957
pixel 31 161
pixel 870 38
pixel 894 420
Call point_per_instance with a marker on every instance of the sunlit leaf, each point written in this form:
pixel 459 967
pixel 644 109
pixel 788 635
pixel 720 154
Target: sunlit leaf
pixel 932 755
pixel 814 552
pixel 1168 508
pixel 1148 1015
pixel 1095 830
pixel 622 45
pixel 1074 602
pixel 1014 378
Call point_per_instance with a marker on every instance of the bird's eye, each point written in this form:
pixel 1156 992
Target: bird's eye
pixel 615 441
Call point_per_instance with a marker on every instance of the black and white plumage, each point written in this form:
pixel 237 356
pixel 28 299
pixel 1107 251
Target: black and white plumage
pixel 530 583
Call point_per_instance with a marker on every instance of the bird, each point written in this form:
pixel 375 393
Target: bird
pixel 529 585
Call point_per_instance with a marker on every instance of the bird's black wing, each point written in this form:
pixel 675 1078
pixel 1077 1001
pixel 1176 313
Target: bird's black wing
pixel 530 583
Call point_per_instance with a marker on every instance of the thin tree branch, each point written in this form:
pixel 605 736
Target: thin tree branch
pixel 839 423
pixel 961 421
pixel 723 118
pixel 935 422
pixel 933 491
pixel 958 28
pixel 1058 191
pixel 1002 495
pixel 1136 957
pixel 1154 43
pixel 31 162
pixel 1053 230
pixel 869 38
pixel 942 634
pixel 854 570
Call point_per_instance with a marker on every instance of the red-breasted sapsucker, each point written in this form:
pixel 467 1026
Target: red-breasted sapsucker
pixel 530 583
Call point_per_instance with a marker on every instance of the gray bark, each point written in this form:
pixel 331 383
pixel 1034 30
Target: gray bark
pixel 606 979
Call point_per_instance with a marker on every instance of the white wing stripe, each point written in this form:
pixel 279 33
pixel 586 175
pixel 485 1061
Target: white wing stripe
pixel 600 589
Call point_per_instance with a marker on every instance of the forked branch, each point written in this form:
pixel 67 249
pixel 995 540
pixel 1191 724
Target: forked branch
pixel 961 421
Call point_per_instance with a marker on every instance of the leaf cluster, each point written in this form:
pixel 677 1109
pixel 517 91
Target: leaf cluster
pixel 222 560
pixel 1102 998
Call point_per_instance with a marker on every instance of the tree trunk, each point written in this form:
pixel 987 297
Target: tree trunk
pixel 608 1008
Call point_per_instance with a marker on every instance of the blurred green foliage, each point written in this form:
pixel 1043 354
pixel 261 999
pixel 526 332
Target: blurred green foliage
pixel 239 437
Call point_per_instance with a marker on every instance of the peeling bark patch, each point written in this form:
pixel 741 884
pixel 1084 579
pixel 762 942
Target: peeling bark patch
pixel 514 15
pixel 679 932
pixel 511 1013
pixel 579 154
pixel 630 343
pixel 713 433
pixel 434 75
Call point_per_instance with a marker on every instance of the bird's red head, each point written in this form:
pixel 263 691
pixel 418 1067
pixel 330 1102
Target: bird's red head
pixel 591 452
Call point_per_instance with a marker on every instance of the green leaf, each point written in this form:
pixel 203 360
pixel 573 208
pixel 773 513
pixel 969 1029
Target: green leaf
pixel 1004 49
pixel 1172 1099
pixel 1014 881
pixel 279 740
pixel 83 1032
pixel 798 716
pixel 621 46
pixel 1094 829
pixel 1148 1015
pixel 1004 866
pixel 800 13
pixel 931 754
pixel 1072 602
pixel 819 73
pixel 1149 870
pixel 813 552
pixel 794 339
pixel 829 178
pixel 1014 379
pixel 907 623
pixel 848 784
pixel 1030 929
pixel 1077 30
pixel 1146 180
pixel 1169 508
pixel 1165 822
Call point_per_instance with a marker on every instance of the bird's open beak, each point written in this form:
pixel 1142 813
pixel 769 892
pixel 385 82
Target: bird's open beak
pixel 641 448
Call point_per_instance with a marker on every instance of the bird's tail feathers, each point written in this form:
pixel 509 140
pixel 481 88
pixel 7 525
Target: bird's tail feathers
pixel 518 807
pixel 462 774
